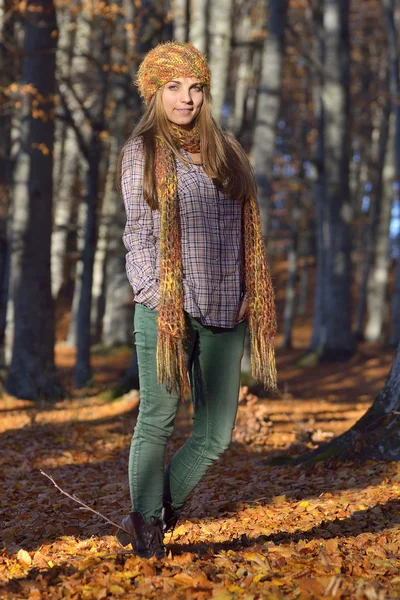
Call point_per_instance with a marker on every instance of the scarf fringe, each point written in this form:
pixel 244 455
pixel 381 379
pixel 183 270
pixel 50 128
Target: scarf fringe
pixel 263 364
pixel 171 365
pixel 171 361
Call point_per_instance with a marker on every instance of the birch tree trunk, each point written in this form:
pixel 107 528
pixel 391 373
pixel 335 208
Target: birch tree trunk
pixel 64 209
pixel 180 19
pixel 83 368
pixel 198 24
pixel 268 105
pixel 108 209
pixel 7 74
pixel 220 32
pixel 243 73
pixel 377 306
pixel 391 7
pixel 117 324
pixel 319 186
pixel 334 216
pixel 383 194
pixel 72 336
pixel 32 371
pixel 67 156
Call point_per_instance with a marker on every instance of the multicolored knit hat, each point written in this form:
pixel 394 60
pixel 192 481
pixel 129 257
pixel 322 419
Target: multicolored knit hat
pixel 169 60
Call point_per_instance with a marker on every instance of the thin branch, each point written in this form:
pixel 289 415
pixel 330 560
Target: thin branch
pixel 70 119
pixel 313 63
pixel 83 505
pixel 70 88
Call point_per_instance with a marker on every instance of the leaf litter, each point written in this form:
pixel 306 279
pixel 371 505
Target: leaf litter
pixel 248 531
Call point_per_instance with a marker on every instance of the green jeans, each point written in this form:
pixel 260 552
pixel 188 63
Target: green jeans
pixel 213 358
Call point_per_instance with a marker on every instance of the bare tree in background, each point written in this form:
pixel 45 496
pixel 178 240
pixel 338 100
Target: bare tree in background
pixel 332 333
pixel 8 66
pixel 180 14
pixel 68 156
pixel 219 50
pixel 268 105
pixel 198 34
pixel 32 372
pixel 377 289
pixel 381 170
pixel 392 14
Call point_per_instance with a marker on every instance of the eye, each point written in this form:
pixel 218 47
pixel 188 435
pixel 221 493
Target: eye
pixel 173 87
pixel 198 88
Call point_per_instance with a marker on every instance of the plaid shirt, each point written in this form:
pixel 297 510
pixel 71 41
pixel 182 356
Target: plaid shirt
pixel 211 234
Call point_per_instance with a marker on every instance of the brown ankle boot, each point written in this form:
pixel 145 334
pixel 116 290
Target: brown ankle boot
pixel 146 538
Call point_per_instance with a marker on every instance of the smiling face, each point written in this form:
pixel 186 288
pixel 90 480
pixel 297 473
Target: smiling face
pixel 182 99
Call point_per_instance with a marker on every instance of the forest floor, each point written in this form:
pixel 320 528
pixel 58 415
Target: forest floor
pixel 249 531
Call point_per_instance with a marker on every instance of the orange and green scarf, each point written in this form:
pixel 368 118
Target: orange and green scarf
pixel 171 362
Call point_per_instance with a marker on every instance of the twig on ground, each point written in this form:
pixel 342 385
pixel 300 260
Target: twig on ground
pixel 83 505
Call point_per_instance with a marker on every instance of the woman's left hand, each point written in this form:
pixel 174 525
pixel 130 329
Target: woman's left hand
pixel 242 311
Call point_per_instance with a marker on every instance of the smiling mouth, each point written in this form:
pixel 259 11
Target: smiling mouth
pixel 184 110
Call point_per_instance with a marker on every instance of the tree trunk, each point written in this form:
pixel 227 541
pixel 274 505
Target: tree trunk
pixel 220 31
pixel 390 6
pixel 83 369
pixel 108 208
pixel 7 75
pixel 319 186
pixel 180 17
pixel 198 24
pixel 379 145
pixel 395 331
pixel 268 105
pixel 377 307
pixel 243 74
pixel 67 156
pixel 334 214
pixel 64 209
pixel 376 436
pixel 293 252
pixel 72 336
pixel 32 371
pixel 117 326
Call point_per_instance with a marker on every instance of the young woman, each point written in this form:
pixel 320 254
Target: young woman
pixel 197 266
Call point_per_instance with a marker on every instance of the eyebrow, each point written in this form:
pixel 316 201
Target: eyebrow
pixel 180 82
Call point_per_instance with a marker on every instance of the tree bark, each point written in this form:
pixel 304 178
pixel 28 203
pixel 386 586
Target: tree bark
pixel 376 436
pixel 242 76
pixel 108 209
pixel 383 194
pixel 67 156
pixel 198 24
pixel 7 74
pixel 319 186
pixel 83 368
pixel 390 7
pixel 377 306
pixel 268 105
pixel 180 17
pixel 64 209
pixel 220 31
pixel 32 373
pixel 334 339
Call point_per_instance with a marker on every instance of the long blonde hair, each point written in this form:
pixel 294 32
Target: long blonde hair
pixel 223 159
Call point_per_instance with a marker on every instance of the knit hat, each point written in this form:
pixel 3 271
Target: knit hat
pixel 169 60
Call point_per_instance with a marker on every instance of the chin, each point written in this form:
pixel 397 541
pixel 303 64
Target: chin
pixel 183 121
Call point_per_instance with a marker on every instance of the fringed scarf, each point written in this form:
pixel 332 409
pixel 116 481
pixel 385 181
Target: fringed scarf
pixel 171 362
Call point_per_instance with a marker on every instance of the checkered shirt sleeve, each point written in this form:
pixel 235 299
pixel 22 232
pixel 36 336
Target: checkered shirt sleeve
pixel 138 237
pixel 211 235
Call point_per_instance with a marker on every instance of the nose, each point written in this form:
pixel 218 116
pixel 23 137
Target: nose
pixel 185 96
